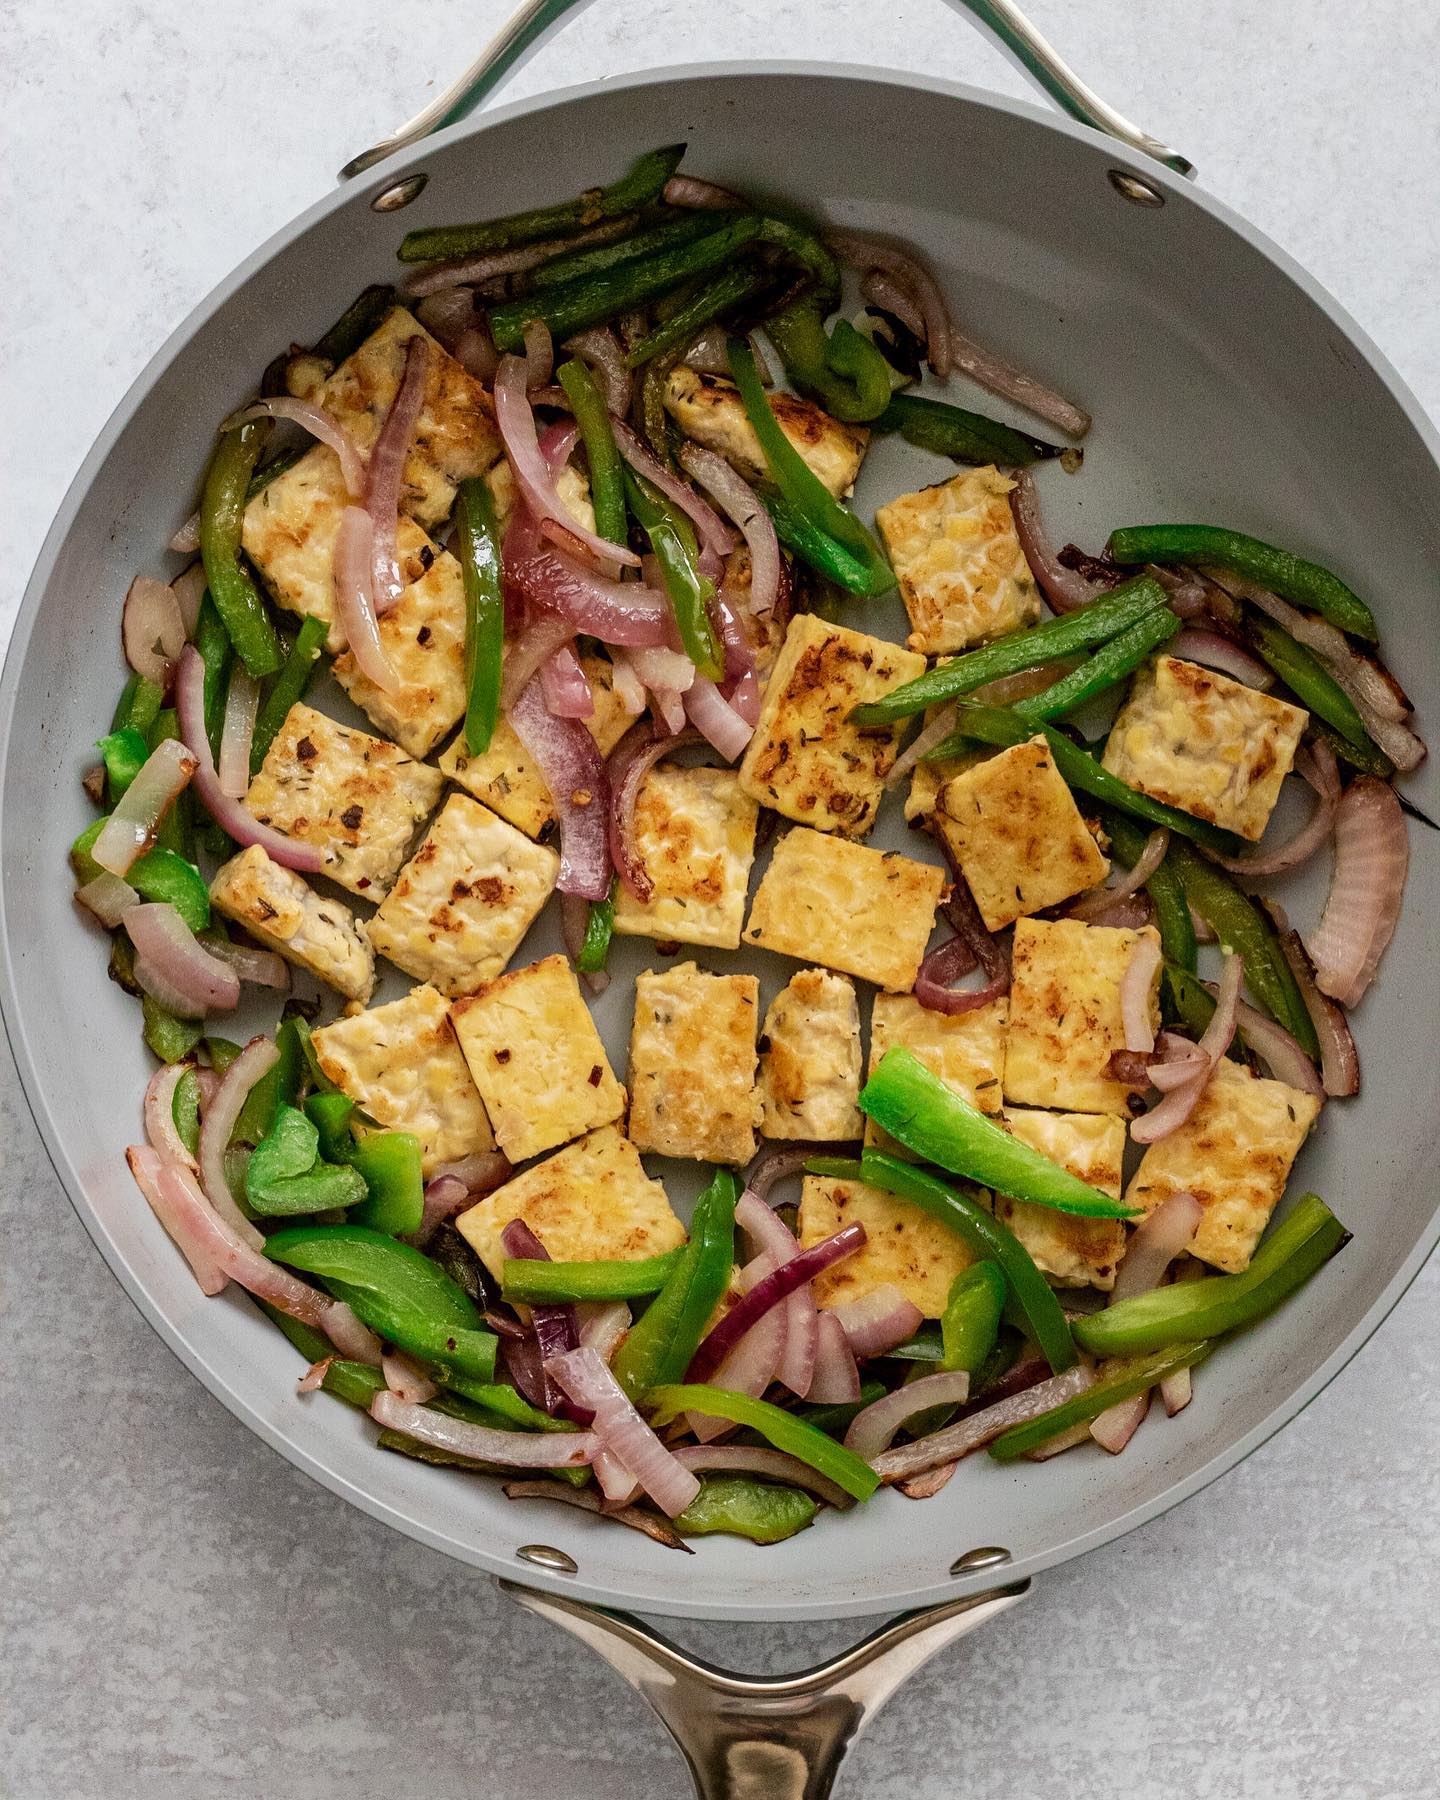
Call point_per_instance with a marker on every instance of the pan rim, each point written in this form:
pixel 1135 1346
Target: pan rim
pixel 18 1029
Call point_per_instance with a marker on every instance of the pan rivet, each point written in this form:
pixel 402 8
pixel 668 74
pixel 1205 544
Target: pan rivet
pixel 1135 188
pixel 545 1556
pixel 989 1557
pixel 401 193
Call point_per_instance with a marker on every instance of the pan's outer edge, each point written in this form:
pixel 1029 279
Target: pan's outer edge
pixel 215 1379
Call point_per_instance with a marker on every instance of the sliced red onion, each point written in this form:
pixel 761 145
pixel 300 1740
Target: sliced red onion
pixel 1180 1102
pixel 624 1433
pixel 1114 1428
pixel 189 588
pixel 1135 986
pixel 713 716
pixel 1100 900
pixel 160 1114
pixel 448 314
pixel 753 1361
pixel 926 1486
pixel 728 1331
pixel 943 966
pixel 1180 1060
pixel 566 686
pixel 539 355
pixel 691 191
pixel 600 349
pixel 186 540
pixel 714 534
pixel 892 296
pixel 637 1518
pixel 913 280
pixel 1278 1049
pixel 926 740
pixel 777 1162
pixel 533 480
pixel 444 1197
pixel 152 629
pixel 172 964
pixel 314 1376
pixel 350 1336
pixel 1339 1060
pixel 522 1365
pixel 476 353
pixel 663 671
pixel 556 1327
pixel 485 267
pixel 1065 589
pixel 1154 1245
pixel 1316 764
pixel 1372 859
pixel 768 1233
pixel 740 503
pixel 383 481
pixel 1177 1391
pixel 968 1434
pixel 515 1449
pixel 835 1378
pixel 570 761
pixel 628 687
pixel 603 1324
pixel 1214 651
pixel 878 1321
pixel 260 968
pixel 242 703
pixel 129 829
pixel 1132 913
pixel 774 1465
pixel 481 1171
pixel 108 897
pixel 707 353
pixel 960 909
pixel 873 1428
pixel 320 424
pixel 354 575
pixel 1059 1444
pixel 617 612
pixel 1204 934
pixel 405 1381
pixel 217 1126
pixel 630 762
pixel 227 813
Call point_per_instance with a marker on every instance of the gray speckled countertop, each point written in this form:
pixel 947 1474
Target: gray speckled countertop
pixel 184 1614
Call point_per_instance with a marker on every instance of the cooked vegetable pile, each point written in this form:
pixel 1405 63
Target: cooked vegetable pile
pixel 583 566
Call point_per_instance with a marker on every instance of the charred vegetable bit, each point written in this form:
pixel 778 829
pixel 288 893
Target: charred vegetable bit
pixel 658 1348
pixel 672 539
pixel 395 1289
pixel 222 513
pixel 289 686
pixel 1111 664
pixel 607 471
pixel 555 1283
pixel 744 1507
pixel 970 1323
pixel 477 544
pixel 1097 623
pixel 1209 547
pixel 966 437
pixel 782 1429
pixel 1300 1244
pixel 637 188
pixel 1122 1382
pixel 939 1125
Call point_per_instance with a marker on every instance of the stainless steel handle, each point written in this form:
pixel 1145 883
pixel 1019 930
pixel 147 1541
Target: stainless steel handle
pixel 783 1737
pixel 526 30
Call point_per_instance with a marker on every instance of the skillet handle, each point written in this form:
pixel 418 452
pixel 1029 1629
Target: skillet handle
pixel 778 1737
pixel 536 20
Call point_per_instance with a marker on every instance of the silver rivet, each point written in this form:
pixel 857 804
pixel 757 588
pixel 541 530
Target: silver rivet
pixel 391 199
pixel 546 1556
pixel 990 1556
pixel 1135 188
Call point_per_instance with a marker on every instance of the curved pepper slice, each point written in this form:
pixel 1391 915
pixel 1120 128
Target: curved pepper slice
pixel 777 1427
pixel 967 437
pixel 659 1346
pixel 222 514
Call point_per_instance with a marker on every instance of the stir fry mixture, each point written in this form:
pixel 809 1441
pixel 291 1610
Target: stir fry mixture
pixel 566 516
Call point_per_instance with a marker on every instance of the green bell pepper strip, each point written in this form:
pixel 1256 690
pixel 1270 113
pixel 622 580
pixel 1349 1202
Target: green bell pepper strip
pixel 843 371
pixel 638 187
pixel 1368 757
pixel 723 291
pixel 477 544
pixel 278 1086
pixel 289 686
pixel 1299 1245
pixel 935 1122
pixel 1000 726
pixel 970 1323
pixel 597 259
pixel 1185 1001
pixel 677 552
pixel 222 513
pixel 395 1289
pixel 124 754
pixel 285 1174
pixel 140 700
pixel 800 535
pixel 1166 891
pixel 501 1403
pixel 1307 678
pixel 213 645
pixel 268 471
pixel 1111 664
pixel 835 1420
pixel 159 874
pixel 176 830
pixel 369 307
pixel 185 1111
pixel 599 930
pixel 554 1283
pixel 330 1114
pixel 1090 626
pixel 744 1507
pixel 658 1347
pixel 319 1080
pixel 782 1429
pixel 797 482
pixel 573 306
pixel 607 471
pixel 1242 927
pixel 966 437
pixel 1033 1295
pixel 1122 1382
pixel 389 1163
pixel 1211 547
pixel 170 1038
pixel 927 1346
pixel 355 1383
pixel 221 1051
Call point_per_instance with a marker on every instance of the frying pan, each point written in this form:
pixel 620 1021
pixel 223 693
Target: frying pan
pixel 1226 386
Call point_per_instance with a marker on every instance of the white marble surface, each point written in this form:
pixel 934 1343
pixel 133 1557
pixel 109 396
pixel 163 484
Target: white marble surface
pixel 184 1615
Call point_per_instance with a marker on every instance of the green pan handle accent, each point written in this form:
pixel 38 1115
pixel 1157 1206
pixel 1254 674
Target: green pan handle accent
pixel 533 22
